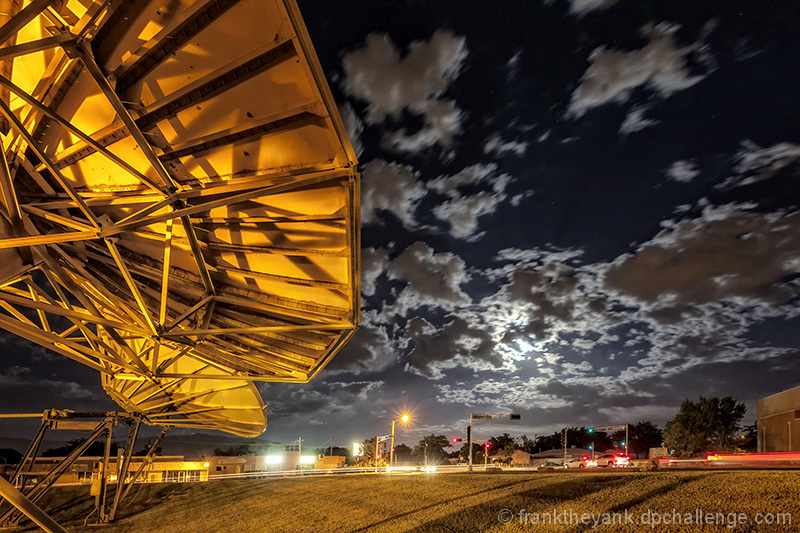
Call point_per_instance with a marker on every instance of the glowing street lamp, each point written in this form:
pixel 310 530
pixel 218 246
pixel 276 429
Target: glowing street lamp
pixel 403 419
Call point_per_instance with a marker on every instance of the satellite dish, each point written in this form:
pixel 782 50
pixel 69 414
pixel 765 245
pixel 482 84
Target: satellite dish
pixel 180 201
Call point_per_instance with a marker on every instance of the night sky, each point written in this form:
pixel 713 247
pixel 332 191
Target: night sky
pixel 583 211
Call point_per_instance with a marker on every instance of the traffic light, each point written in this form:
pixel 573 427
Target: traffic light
pixel 591 446
pixel 457 440
pixel 622 443
pixel 590 430
pixel 469 432
pixel 487 445
pixel 514 417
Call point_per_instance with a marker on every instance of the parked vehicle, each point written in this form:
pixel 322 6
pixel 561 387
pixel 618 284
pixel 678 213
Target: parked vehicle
pixel 577 462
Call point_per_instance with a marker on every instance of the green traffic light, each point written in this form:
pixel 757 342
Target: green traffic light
pixel 591 430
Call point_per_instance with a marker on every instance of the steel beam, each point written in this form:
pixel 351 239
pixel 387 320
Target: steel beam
pixel 28 508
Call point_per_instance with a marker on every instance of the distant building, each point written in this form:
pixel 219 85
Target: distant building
pixel 779 422
pixel 273 461
pixel 163 469
pixel 330 461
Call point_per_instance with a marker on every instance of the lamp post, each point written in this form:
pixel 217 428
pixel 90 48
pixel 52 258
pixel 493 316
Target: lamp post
pixel 403 419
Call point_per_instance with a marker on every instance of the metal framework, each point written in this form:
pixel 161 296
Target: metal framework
pixel 23 499
pixel 180 201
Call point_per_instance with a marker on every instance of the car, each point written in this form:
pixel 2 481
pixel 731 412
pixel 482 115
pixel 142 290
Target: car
pixel 609 459
pixel 576 462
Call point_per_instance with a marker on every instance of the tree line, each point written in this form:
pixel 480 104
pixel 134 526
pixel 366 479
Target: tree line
pixel 708 425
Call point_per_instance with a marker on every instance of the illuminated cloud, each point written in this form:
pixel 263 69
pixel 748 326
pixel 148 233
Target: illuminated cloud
pixel 369 350
pixel 754 163
pixel 416 82
pixel 432 279
pixel 725 253
pixel 682 171
pixel 581 7
pixel 613 74
pixel 635 121
pixel 497 146
pixel 457 343
pixel 389 187
pixel 354 126
pixel 373 264
pixel 462 210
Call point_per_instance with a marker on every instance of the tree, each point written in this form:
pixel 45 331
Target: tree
pixel 402 453
pixel 710 424
pixel 9 456
pixel 259 448
pixel 337 450
pixel 642 436
pixel 748 440
pixel 96 449
pixel 528 445
pixel 431 449
pixel 477 451
pixel 503 445
pixel 579 437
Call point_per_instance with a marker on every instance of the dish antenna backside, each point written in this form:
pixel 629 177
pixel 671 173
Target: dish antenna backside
pixel 180 201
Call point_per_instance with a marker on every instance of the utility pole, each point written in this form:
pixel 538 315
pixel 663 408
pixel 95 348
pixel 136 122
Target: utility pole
pixel 391 448
pixel 377 441
pixel 299 442
pixel 565 443
pixel 626 439
pixel 470 441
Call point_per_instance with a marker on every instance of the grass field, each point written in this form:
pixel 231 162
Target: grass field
pixel 452 502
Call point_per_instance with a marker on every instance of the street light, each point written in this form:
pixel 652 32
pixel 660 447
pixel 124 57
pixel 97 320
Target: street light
pixel 403 419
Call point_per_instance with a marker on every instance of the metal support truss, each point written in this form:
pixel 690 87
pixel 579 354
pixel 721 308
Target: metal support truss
pixel 23 500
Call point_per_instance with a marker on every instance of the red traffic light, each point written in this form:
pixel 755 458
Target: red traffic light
pixel 487 445
pixel 458 440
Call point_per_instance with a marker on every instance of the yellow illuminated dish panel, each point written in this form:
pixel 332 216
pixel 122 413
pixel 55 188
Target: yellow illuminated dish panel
pixel 179 201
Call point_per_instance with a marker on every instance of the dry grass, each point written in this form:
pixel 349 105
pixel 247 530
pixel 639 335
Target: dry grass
pixel 444 502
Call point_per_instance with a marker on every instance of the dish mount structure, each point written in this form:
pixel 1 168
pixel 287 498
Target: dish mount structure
pixel 180 201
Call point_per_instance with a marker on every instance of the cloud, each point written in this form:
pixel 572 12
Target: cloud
pixel 635 121
pixel 497 146
pixel 370 350
pixel 462 210
pixel 512 66
pixel 433 280
pixel 373 264
pixel 21 391
pixel 682 171
pixel 457 343
pixel 754 163
pixel 462 214
pixel 354 126
pixel 613 74
pixel 359 389
pixel 391 84
pixel 581 7
pixel 390 187
pixel 442 122
pixel 725 253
